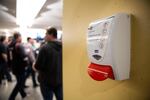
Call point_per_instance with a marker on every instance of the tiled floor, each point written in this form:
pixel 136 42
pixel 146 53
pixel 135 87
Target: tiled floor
pixel 33 93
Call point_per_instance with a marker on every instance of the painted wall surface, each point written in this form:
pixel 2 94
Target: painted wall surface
pixel 77 84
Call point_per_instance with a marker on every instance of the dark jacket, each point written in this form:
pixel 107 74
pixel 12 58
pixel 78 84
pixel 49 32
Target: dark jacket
pixel 3 50
pixel 19 61
pixel 49 64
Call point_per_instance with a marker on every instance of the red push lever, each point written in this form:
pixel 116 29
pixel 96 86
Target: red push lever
pixel 100 72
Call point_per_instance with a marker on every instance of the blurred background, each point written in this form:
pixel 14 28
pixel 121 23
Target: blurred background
pixel 30 17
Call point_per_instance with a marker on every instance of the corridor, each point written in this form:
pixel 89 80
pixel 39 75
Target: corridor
pixel 33 93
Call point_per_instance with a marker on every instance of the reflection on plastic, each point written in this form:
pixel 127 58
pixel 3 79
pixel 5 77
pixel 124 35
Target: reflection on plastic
pixel 100 72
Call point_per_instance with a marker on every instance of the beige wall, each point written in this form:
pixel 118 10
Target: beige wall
pixel 77 84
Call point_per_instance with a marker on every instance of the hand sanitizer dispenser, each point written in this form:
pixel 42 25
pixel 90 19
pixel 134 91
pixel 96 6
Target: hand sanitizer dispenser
pixel 108 46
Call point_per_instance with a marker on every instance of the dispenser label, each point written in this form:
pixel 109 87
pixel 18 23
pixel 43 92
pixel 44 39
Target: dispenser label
pixel 98 36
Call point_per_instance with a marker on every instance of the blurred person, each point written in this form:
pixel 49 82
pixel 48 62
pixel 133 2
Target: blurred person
pixel 19 62
pixel 49 66
pixel 9 53
pixel 3 57
pixel 31 57
pixel 6 69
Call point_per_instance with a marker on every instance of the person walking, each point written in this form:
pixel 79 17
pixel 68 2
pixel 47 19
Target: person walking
pixel 31 57
pixel 49 66
pixel 3 57
pixel 19 62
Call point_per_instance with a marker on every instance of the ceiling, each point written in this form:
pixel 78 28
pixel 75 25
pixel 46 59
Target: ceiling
pixel 49 15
